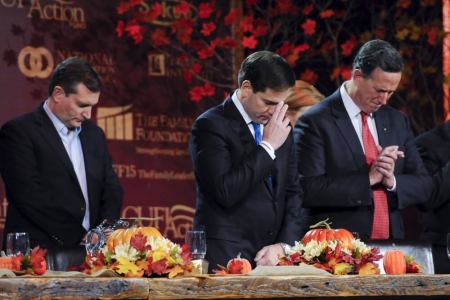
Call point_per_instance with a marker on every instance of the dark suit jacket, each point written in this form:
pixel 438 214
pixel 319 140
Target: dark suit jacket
pixel 234 202
pixel 44 196
pixel 434 148
pixel 334 172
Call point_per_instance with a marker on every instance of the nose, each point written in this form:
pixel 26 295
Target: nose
pixel 271 109
pixel 86 113
pixel 384 96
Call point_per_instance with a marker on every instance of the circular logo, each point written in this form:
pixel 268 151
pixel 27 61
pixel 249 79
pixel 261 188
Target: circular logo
pixel 35 62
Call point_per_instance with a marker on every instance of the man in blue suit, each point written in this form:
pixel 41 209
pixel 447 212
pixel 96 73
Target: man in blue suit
pixel 356 156
pixel 248 196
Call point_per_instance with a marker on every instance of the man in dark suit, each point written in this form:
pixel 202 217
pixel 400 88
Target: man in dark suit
pixel 357 160
pixel 247 190
pixel 56 167
pixel 434 148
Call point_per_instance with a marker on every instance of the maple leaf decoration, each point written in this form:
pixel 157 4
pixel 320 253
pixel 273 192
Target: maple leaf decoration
pixel 205 10
pixel 10 57
pixel 411 265
pixel 17 30
pixel 159 267
pixel 328 13
pixel 249 42
pixel 208 28
pixel 138 241
pixel 309 27
pixel 37 260
pixel 127 268
pixel 183 9
pixel 159 38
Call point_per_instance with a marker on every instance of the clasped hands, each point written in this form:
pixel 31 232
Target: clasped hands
pixel 382 169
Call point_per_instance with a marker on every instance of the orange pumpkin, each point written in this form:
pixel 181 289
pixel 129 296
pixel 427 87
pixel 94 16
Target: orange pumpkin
pixel 239 265
pixel 394 262
pixel 123 236
pixel 6 263
pixel 343 236
pixel 11 262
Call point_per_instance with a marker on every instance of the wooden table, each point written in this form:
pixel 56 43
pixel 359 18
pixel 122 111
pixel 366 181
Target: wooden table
pixel 224 287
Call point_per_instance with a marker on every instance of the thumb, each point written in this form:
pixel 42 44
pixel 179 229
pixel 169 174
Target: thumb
pixel 260 254
pixel 379 148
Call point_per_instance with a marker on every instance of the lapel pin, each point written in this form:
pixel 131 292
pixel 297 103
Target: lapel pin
pixel 384 129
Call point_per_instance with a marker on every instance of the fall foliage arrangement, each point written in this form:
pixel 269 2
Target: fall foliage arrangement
pixel 32 264
pixel 333 250
pixel 138 252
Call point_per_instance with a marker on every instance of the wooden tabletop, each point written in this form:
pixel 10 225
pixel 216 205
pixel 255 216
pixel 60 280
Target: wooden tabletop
pixel 213 287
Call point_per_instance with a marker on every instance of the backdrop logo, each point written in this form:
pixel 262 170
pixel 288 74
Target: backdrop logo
pixel 60 10
pixel 156 64
pixel 168 12
pixel 116 122
pixel 35 62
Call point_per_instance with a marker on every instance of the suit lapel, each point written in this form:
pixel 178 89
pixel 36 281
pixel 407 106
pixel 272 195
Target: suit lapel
pixel 345 126
pixel 384 129
pixel 238 125
pixel 49 134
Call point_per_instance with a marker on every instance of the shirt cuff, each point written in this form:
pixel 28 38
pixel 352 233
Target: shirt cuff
pixel 394 187
pixel 268 147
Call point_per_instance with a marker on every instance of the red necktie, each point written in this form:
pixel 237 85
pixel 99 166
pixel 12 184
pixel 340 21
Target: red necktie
pixel 380 226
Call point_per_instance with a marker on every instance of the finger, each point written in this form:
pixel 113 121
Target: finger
pixel 282 112
pixel 286 122
pixel 400 154
pixel 260 254
pixel 263 262
pixel 387 159
pixel 389 149
pixel 277 111
pixel 379 148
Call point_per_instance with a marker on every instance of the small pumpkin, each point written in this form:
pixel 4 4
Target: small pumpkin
pixel 238 265
pixel 123 236
pixel 343 236
pixel 394 262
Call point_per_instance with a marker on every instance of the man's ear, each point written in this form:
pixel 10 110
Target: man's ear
pixel 357 74
pixel 246 88
pixel 58 93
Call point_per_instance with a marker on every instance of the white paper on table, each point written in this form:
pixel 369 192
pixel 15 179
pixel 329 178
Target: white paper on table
pixel 302 269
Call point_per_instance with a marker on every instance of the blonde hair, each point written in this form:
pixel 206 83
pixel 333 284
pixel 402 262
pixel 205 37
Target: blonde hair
pixel 301 95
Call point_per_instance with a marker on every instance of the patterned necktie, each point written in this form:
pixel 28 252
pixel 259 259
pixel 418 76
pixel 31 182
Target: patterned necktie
pixel 258 140
pixel 380 225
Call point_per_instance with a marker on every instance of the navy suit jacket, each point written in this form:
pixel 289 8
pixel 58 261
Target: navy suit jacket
pixel 44 196
pixel 434 148
pixel 235 204
pixel 334 172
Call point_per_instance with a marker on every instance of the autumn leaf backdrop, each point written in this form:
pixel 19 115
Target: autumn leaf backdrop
pixel 319 39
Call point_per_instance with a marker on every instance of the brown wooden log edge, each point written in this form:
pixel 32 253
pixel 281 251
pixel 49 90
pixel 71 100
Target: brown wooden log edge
pixel 225 287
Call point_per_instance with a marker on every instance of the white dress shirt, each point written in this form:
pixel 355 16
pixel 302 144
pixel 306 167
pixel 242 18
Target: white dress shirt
pixel 249 121
pixel 72 144
pixel 354 113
